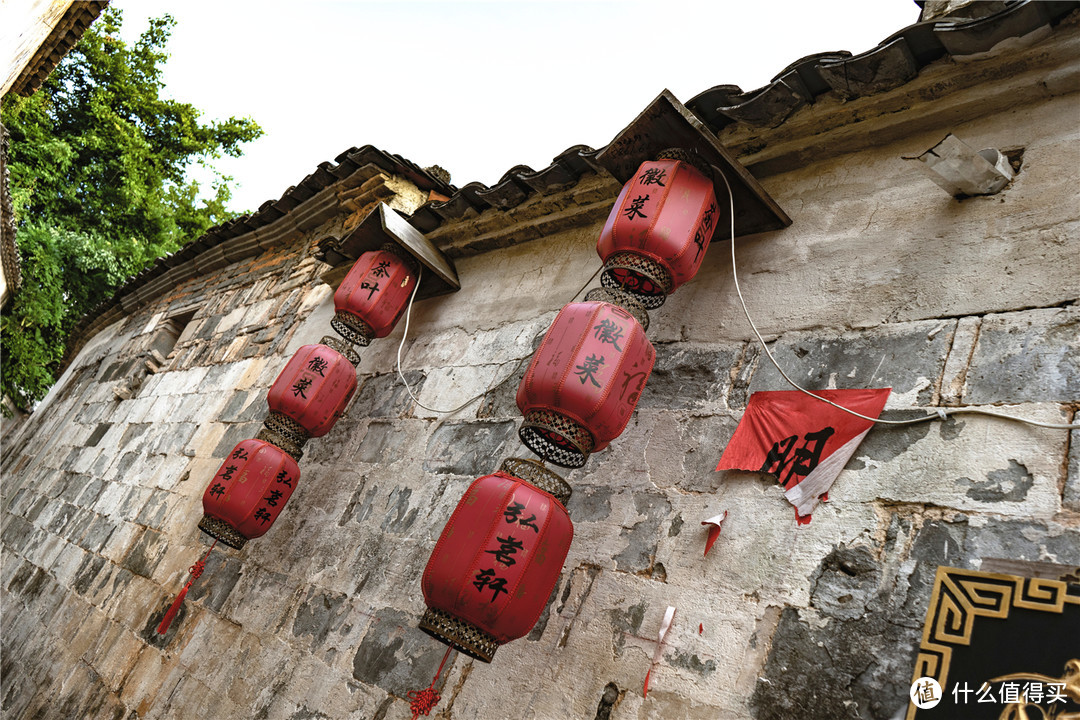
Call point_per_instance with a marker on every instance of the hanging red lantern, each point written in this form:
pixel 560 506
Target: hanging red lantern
pixel 373 295
pixel 659 228
pixel 248 492
pixel 311 393
pixel 496 562
pixel 583 382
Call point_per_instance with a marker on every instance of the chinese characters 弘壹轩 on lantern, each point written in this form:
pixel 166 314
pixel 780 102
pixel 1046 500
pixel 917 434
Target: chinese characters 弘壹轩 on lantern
pixel 373 295
pixel 496 562
pixel 583 382
pixel 248 492
pixel 657 233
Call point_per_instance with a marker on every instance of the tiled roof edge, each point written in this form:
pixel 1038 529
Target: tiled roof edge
pixel 148 283
pixel 892 63
pixel 63 37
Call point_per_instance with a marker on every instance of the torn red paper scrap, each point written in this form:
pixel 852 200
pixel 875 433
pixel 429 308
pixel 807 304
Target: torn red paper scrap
pixel 801 440
pixel 669 615
pixel 714 529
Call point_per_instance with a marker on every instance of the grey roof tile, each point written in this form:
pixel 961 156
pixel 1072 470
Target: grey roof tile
pixel 883 68
pixel 976 36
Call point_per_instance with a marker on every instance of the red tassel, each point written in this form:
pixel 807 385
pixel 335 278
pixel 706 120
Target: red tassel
pixel 173 609
pixel 196 571
pixel 424 701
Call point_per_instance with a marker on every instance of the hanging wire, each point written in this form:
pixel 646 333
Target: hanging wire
pixel 938 414
pixel 517 366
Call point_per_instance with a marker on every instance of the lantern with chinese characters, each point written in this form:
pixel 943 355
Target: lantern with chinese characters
pixel 584 381
pixel 373 295
pixel 497 561
pixel 248 492
pixel 656 234
pixel 311 393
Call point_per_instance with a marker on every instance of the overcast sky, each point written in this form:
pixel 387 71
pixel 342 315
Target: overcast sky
pixel 476 87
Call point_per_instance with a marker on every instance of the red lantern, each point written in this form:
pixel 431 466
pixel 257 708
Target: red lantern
pixel 495 564
pixel 248 492
pixel 373 295
pixel 311 393
pixel 657 233
pixel 584 381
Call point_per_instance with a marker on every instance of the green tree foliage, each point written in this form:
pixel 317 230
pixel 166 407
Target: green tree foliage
pixel 98 161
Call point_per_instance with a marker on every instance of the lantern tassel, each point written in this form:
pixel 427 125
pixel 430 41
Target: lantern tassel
pixel 196 571
pixel 424 701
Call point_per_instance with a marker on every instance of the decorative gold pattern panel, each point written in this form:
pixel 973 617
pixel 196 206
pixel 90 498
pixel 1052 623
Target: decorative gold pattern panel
pixel 960 597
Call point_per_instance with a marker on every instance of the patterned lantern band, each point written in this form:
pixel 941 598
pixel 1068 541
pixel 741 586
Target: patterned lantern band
pixel 583 382
pixel 374 294
pixel 659 228
pixel 496 563
pixel 248 492
pixel 310 394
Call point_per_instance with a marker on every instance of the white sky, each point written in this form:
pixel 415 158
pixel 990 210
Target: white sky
pixel 476 87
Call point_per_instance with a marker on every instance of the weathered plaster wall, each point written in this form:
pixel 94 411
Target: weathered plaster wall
pixel 882 280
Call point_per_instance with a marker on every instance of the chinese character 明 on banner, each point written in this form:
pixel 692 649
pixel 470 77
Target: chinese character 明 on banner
pixel 801 440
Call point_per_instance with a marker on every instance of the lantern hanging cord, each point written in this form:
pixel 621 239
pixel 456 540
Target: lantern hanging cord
pixel 517 366
pixel 938 414
pixel 422 702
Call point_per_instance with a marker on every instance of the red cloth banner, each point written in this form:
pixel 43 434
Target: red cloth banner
pixel 801 440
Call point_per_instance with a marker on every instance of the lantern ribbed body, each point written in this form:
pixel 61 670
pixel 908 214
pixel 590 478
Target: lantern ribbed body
pixel 376 290
pixel 248 492
pixel 583 382
pixel 665 216
pixel 495 564
pixel 314 388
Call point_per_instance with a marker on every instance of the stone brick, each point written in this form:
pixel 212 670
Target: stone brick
pixel 956 365
pixel 1071 495
pixel 909 358
pixel 145 553
pixel 1030 356
pixel 233 435
pixel 247 604
pixel 1020 477
pixel 171 438
pixel 688 377
pixel 382 441
pixel 98 534
pixel 639 555
pixel 99 432
pixel 152 513
pixel 386 660
pixel 467 448
pixel 222 573
pixel 386 396
pixel 134 436
pixel 454 390
pixel 319 614
pixel 239 401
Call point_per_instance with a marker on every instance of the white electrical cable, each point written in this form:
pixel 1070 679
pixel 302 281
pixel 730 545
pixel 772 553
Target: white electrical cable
pixel 405 334
pixel 938 414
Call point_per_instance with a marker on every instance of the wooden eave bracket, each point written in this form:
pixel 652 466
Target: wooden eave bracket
pixel 382 225
pixel 667 123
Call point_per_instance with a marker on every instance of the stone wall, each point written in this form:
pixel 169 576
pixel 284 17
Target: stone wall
pixel 882 280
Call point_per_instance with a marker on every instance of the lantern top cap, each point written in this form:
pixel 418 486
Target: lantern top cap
pixel 384 225
pixel 666 123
